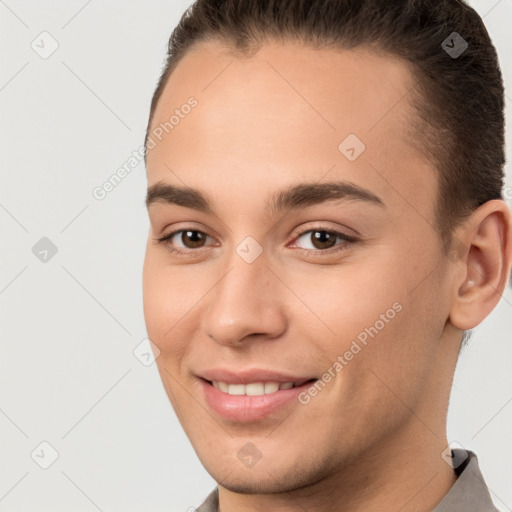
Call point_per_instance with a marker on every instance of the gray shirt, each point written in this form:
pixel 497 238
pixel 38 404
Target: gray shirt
pixel 468 494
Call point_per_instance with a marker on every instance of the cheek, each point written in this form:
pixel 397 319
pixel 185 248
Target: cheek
pixel 371 326
pixel 346 300
pixel 154 297
pixel 391 372
pixel 164 302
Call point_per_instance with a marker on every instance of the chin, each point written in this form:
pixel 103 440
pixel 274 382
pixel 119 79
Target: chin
pixel 267 478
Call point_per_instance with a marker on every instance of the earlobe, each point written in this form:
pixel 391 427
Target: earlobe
pixel 488 236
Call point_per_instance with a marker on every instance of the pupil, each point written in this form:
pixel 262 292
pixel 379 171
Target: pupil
pixel 324 239
pixel 194 241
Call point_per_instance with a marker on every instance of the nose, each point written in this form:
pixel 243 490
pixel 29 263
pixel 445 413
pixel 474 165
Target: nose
pixel 245 304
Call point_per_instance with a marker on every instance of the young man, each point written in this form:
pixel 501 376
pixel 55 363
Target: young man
pixel 324 194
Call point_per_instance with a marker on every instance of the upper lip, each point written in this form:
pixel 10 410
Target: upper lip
pixel 247 376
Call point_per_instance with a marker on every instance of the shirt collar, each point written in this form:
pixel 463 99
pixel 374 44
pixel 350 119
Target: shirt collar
pixel 469 493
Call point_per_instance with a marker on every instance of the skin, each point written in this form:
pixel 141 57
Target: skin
pixel 372 438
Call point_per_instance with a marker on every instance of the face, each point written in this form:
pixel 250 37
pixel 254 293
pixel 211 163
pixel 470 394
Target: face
pixel 297 254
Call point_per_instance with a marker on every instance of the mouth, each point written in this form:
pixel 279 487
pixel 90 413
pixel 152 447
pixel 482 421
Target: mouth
pixel 252 401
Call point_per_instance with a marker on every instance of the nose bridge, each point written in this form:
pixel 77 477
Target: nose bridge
pixel 243 301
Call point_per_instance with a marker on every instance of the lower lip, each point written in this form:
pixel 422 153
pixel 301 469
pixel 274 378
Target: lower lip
pixel 246 408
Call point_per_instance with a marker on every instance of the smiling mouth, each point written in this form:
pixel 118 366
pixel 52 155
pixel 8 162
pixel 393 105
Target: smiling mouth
pixel 252 401
pixel 256 388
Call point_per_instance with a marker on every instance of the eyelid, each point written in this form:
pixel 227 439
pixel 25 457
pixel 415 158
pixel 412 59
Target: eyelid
pixel 164 239
pixel 348 239
pixel 322 227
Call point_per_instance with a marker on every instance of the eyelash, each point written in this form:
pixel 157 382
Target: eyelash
pixel 165 240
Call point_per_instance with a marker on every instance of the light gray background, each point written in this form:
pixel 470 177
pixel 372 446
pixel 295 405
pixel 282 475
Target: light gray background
pixel 69 326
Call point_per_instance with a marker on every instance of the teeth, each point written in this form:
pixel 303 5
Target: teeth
pixel 236 389
pixel 271 387
pixel 253 388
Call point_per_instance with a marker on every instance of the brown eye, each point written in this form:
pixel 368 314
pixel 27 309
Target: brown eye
pixel 191 239
pixel 183 239
pixel 323 239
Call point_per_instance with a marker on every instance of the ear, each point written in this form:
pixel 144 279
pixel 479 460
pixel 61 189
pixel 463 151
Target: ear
pixel 485 260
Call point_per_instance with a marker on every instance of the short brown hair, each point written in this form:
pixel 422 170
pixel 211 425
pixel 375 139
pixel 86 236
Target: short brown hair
pixel 459 100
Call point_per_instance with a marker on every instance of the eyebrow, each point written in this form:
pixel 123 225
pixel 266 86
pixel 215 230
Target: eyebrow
pixel 297 196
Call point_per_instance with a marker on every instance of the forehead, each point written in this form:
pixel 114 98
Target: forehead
pixel 281 114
